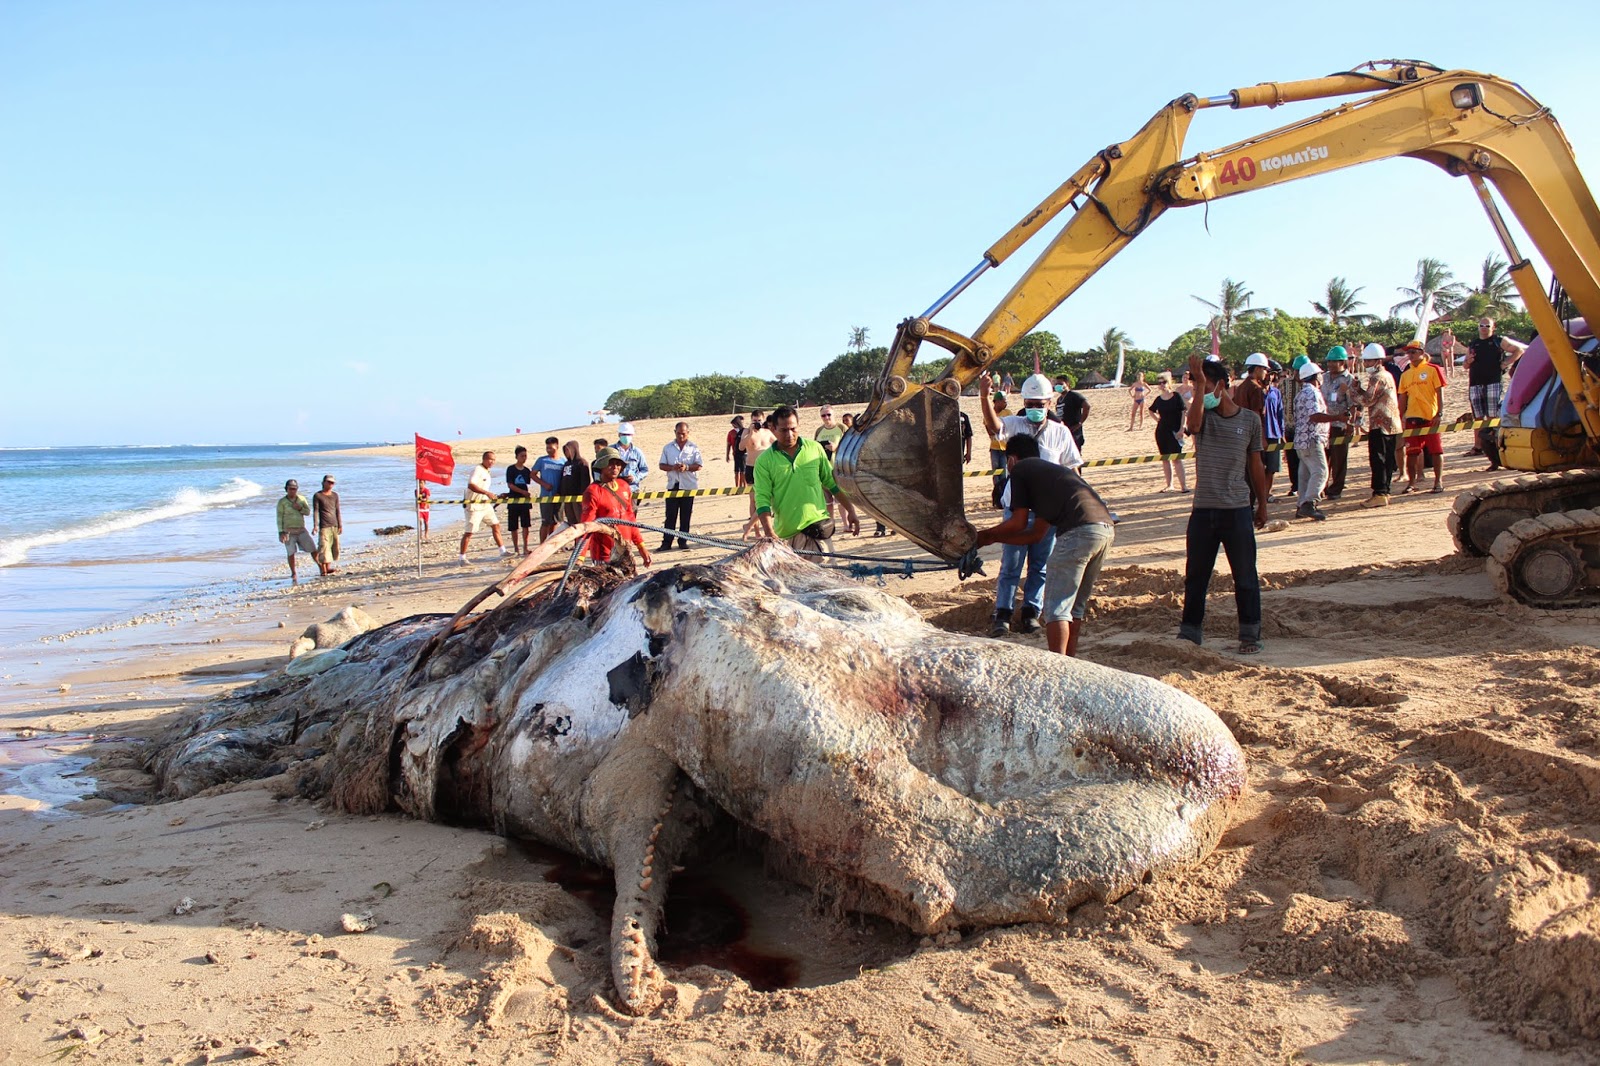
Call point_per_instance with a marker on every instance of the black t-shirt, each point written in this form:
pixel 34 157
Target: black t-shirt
pixel 966 427
pixel 1056 494
pixel 1169 412
pixel 1486 368
pixel 519 477
pixel 574 477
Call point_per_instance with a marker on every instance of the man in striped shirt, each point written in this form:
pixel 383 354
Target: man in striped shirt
pixel 1227 458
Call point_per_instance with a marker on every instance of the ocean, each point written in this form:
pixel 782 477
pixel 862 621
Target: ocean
pixel 90 536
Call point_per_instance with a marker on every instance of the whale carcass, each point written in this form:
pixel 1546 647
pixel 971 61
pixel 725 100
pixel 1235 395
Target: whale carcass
pixel 940 780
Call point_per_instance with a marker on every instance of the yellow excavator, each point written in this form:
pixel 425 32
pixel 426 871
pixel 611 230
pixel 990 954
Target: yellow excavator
pixel 902 460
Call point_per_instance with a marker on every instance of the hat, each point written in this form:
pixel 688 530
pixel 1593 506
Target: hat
pixel 625 429
pixel 1337 354
pixel 1309 370
pixel 1256 359
pixel 327 479
pixel 1373 353
pixel 1213 358
pixel 1299 361
pixel 1411 346
pixel 736 420
pixel 608 456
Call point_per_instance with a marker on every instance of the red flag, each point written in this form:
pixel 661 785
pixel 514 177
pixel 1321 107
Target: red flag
pixel 434 461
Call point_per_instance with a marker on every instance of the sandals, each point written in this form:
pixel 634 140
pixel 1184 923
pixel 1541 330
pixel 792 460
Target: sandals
pixel 1250 647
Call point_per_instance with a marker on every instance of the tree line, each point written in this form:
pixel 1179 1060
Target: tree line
pixel 1338 317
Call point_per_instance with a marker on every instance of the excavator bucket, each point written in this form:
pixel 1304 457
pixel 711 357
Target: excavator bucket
pixel 904 468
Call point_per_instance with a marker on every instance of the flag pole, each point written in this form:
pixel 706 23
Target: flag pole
pixel 416 512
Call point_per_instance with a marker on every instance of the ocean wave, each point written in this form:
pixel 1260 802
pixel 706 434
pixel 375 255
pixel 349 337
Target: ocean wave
pixel 185 501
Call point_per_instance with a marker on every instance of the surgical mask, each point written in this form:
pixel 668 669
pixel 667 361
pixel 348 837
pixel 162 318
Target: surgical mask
pixel 1061 388
pixel 1211 401
pixel 1034 414
pixel 624 440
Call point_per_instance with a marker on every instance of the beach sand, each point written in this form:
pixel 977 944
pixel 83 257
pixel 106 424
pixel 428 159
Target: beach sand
pixel 1410 878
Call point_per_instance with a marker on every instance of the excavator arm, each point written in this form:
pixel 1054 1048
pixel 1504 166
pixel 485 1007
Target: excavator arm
pixel 902 462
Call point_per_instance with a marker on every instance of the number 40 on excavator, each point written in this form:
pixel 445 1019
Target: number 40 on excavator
pixel 1540 534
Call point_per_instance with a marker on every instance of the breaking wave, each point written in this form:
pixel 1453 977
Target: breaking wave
pixel 186 501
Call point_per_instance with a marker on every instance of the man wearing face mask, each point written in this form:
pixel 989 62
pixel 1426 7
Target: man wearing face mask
pixel 1227 458
pixel 1055 445
pixel 634 465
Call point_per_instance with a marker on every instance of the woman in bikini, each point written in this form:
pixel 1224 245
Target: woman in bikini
pixel 1140 392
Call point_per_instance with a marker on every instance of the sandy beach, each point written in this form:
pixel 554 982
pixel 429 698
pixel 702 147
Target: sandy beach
pixel 1410 878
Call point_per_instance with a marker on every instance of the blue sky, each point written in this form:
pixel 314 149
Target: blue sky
pixel 352 221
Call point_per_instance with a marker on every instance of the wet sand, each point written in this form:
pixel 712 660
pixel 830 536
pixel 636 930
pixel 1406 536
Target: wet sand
pixel 1410 878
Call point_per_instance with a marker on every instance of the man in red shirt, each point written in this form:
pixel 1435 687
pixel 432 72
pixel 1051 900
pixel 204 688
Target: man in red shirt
pixel 611 497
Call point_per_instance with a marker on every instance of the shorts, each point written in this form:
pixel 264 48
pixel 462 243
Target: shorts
pixel 518 516
pixel 1485 400
pixel 572 513
pixel 328 545
pixel 480 515
pixel 1427 444
pixel 1272 461
pixel 738 465
pixel 300 540
pixel 1074 565
pixel 549 513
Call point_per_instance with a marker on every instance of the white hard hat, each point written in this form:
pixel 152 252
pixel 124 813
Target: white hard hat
pixel 1256 359
pixel 625 429
pixel 1037 387
pixel 1309 370
pixel 1373 351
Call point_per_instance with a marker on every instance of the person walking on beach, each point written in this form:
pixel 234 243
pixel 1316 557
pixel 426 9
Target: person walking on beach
pixel 519 511
pixel 479 506
pixel 1227 474
pixel 293 510
pixel 1139 392
pixel 757 439
pixel 1169 408
pixel 681 461
pixel 575 478
pixel 611 497
pixel 328 524
pixel 547 475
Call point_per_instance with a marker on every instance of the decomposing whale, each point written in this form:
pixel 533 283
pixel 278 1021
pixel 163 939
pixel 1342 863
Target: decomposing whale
pixel 939 780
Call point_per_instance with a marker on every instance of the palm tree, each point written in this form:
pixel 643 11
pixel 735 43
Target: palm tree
pixel 1233 304
pixel 1340 303
pixel 858 339
pixel 1433 280
pixel 1495 291
pixel 1110 342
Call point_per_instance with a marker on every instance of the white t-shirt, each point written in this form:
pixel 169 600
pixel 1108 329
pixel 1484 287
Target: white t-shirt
pixel 482 479
pixel 689 455
pixel 1055 444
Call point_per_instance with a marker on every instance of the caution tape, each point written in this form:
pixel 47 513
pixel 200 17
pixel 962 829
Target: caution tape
pixel 1125 460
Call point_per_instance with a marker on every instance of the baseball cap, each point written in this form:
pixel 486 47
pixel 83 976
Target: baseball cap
pixel 1411 346
pixel 327 479
pixel 625 429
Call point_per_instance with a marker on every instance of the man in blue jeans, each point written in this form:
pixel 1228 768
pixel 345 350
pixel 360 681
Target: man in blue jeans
pixel 1227 446
pixel 1048 500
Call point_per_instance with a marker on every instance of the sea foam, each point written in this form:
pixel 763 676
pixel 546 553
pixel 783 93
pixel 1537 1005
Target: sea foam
pixel 185 501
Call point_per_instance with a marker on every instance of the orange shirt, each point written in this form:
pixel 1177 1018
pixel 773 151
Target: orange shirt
pixel 615 501
pixel 1421 385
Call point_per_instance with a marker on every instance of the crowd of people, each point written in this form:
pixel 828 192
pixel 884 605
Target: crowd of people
pixel 1055 529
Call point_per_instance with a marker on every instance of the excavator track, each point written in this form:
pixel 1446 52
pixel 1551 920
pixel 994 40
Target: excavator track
pixel 1550 561
pixel 1481 514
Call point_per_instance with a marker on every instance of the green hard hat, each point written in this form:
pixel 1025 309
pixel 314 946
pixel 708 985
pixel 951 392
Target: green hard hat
pixel 1299 361
pixel 1337 354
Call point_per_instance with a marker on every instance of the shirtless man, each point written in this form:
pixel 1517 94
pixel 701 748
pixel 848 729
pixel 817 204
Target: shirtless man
pixel 757 440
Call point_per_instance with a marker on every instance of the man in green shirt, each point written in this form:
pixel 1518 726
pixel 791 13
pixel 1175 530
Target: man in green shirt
pixel 792 481
pixel 292 512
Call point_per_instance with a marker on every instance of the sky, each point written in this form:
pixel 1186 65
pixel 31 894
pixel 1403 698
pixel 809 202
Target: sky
pixel 352 221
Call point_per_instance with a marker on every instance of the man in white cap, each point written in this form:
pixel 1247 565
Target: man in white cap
pixel 634 465
pixel 1311 420
pixel 1374 392
pixel 1055 445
